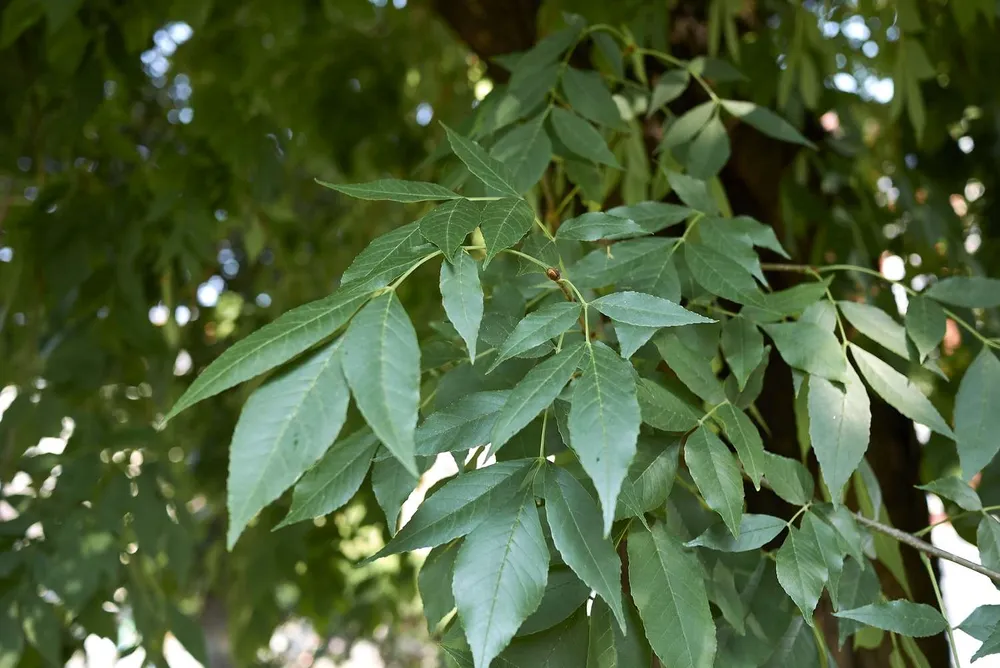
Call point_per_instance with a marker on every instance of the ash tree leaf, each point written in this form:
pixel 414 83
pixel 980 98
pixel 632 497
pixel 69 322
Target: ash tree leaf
pixel 382 365
pixel 459 507
pixel 897 391
pixel 955 489
pixel 534 393
pixel 564 595
pixel 604 422
pixel 903 617
pixel 504 222
pixel 988 540
pixel 392 485
pixel 598 225
pixel 448 225
pixel 756 531
pixel 694 370
pixel 684 128
pixel 274 344
pixel 720 274
pixel 669 590
pixel 500 576
pixel 650 478
pixel 746 439
pixel 668 88
pixel 977 420
pixel 493 173
pixel 743 347
pixel 581 138
pixel 967 291
pixel 991 645
pixel 525 94
pixel 334 479
pixel 709 151
pixel 810 348
pixel 387 257
pixel 925 324
pixel 981 622
pixel 526 151
pixel 600 268
pixel 393 190
pixel 766 121
pixel 464 424
pixel 858 586
pixel 653 216
pixel 562 646
pixel 589 96
pixel 285 426
pixel 632 337
pixel 434 583
pixel 789 479
pixel 11 636
pixel 881 328
pixel 725 595
pixel 662 409
pixel 462 298
pixel 744 398
pixel 536 328
pixel 692 192
pixel 640 309
pixel 601 652
pixel 575 522
pixel 760 235
pixel 839 427
pixel 774 306
pixel 831 548
pixel 717 476
pixel 801 571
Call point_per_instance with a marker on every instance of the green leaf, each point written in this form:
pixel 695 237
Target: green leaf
pixel 393 190
pixel 526 151
pixel 744 436
pixel 603 267
pixel 462 298
pixel 743 347
pixel 990 646
pixel 448 225
pixel 464 424
pixel 897 391
pixel 878 326
pixel 831 547
pixel 744 398
pixel 536 328
pixel 562 646
pixel 650 478
pixel 504 222
pixel 459 507
pixel 653 216
pixel 387 257
pixel 575 522
pixel 18 16
pixel 789 479
pixel 434 582
pixel 988 540
pixel 662 409
pixel 637 308
pixel 382 365
pixel 801 571
pixel 955 489
pixel 904 617
pixel 925 324
pixel 601 652
pixel 632 337
pixel 581 138
pixel 858 586
pixel 669 591
pixel 493 173
pixel 755 532
pixel 564 595
pixel 285 426
pixel 839 425
pixel 683 129
pixel 392 485
pixel 588 95
pixel 774 306
pixel 766 121
pixel 500 576
pixel 334 479
pixel 668 88
pixel 274 344
pixel 760 235
pixel 42 629
pixel 604 422
pixel 525 94
pixel 11 637
pixel 967 291
pixel 720 274
pixel 982 622
pixel 692 192
pixel 535 392
pixel 726 596
pixel 810 348
pixel 599 225
pixel 709 151
pixel 716 474
pixel 977 420
pixel 691 368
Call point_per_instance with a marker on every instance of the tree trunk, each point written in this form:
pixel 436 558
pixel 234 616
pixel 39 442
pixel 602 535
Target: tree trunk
pixel 752 181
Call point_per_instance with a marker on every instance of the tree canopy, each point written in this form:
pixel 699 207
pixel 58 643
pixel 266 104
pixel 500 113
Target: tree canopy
pixel 695 298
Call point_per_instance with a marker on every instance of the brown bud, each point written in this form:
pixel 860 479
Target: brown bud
pixel 553 274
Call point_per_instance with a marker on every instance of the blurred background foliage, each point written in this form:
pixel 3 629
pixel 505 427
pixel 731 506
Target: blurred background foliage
pixel 157 202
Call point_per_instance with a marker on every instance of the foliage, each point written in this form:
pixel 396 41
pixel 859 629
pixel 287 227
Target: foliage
pixel 613 375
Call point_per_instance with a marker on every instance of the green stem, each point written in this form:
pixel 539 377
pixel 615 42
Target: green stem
pixel 395 284
pixel 797 513
pixel 544 229
pixel 541 443
pixel 529 258
pixel 952 518
pixel 673 60
pixel 712 410
pixel 940 602
pixel 566 200
pixel 583 302
pixel 483 199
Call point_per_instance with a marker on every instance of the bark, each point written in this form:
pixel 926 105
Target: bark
pixel 751 179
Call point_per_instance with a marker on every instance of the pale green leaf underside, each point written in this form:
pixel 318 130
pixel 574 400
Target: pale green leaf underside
pixel 977 418
pixel 394 190
pixel 487 169
pixel 448 225
pixel 755 532
pixel 717 476
pixel 536 328
pixel 462 298
pixel 637 308
pixel 504 222
pixel 839 425
pixel 903 617
pixel 461 425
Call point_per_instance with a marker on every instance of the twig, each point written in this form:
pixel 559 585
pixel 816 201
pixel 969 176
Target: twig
pixel 940 602
pixel 926 547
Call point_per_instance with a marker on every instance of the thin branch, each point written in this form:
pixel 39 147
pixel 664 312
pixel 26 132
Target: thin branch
pixel 926 547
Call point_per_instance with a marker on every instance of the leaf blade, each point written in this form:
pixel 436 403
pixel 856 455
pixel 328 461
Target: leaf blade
pixel 462 298
pixel 393 190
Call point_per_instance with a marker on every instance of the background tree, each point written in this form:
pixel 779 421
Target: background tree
pixel 170 182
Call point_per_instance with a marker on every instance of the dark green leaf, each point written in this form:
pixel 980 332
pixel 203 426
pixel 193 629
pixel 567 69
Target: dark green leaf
pixel 526 151
pixel 925 323
pixel 725 596
pixel 562 646
pixel 903 617
pixel 692 369
pixel 988 540
pixel 789 479
pixel 981 623
pixel 604 422
pixel 601 652
pixel 683 129
pixel 434 581
pixel 810 348
pixel 802 571
pixel 537 327
pixel 760 235
pixel 664 410
pixel 392 485
pixel 977 420
pixel 839 425
pixel 720 274
pixel 709 151
pixel 878 326
pixel 18 16
pixel 990 646
pixel 650 478
pixel 632 337
pixel 766 121
pixel 717 475
pixel 955 489
pixel 601 268
pixel 564 595
pixel 464 424
pixel 382 365
pixel 581 138
pixel 394 190
pixel 504 222
pixel 744 436
pixel 653 216
pixel 755 532
pixel 493 173
pixel 599 225
pixel 636 308
pixel 448 225
pixel 589 96
pixel 668 88
pixel 11 637
pixel 743 346
pixel 387 257
pixel 462 298
pixel 774 306
pixel 858 586
pixel 967 291
pixel 285 426
pixel 692 192
pixel 525 94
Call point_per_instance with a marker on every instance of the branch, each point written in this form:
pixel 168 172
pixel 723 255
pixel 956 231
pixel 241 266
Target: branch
pixel 925 547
